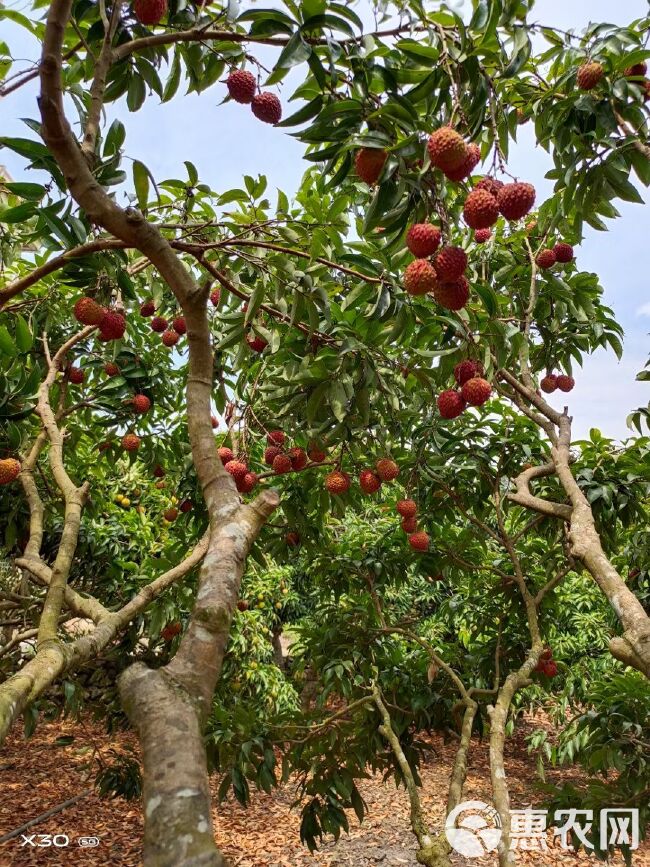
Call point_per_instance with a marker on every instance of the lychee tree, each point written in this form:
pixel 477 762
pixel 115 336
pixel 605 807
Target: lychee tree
pixel 372 327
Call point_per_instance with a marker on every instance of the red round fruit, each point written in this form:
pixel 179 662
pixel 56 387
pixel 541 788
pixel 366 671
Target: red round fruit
pixel 149 12
pixel 387 470
pixel 419 541
pixel 130 443
pixel 337 482
pixel 75 375
pixel 185 506
pixel 476 391
pixel 419 277
pixel 369 482
pixel 214 421
pixel 237 469
pixel 545 259
pixel 452 296
pixel 466 369
pixel 242 605
pixel 267 107
pixel 565 383
pixel 257 344
pixel 467 167
pixel 406 508
pixel 141 403
pixel 282 464
pixel 111 369
pixel 147 308
pixel 546 655
pixel 112 326
pixel 159 324
pixel 9 470
pixel 450 403
pixel 450 264
pixel 423 239
pixel 548 384
pixel 636 69
pixel 170 514
pixel 550 668
pixel 298 458
pixel 292 539
pixel 170 631
pixel 409 525
pixel 246 485
pixel 563 252
pixel 225 454
pixel 158 472
pixel 170 338
pixel 316 454
pixel 447 149
pixel 88 312
pixel 215 297
pixel 275 438
pixel 270 454
pixel 368 164
pixel 241 86
pixel 482 235
pixel 179 325
pixel 516 200
pixel 491 185
pixel 589 75
pixel 480 209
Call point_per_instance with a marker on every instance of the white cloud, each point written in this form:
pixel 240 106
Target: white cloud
pixel 643 310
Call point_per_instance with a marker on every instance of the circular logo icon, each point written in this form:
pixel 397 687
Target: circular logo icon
pixel 473 829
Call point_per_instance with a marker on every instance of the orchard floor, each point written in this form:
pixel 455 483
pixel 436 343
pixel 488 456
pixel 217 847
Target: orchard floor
pixel 38 775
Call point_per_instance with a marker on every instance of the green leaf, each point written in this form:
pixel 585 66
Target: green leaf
pixel 141 183
pixel 24 337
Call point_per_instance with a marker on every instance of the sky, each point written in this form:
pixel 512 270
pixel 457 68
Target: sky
pixel 226 142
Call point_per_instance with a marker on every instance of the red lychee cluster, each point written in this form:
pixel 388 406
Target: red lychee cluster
pixel 474 390
pixel 245 479
pixel 242 87
pixel 418 540
pixel 552 381
pixel 449 153
pixel 112 324
pixel 546 664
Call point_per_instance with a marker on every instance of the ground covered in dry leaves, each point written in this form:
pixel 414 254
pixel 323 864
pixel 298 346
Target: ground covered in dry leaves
pixel 50 768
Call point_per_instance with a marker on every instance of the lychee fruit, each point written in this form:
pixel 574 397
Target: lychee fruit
pixel 480 209
pixel 467 167
pixel 406 508
pixel 589 74
pixel 158 471
pixel 215 297
pixel 130 443
pixel 516 200
pixel 337 482
pixel 267 107
pixel 111 369
pixel 276 438
pixel 159 324
pixel 112 326
pixel 316 453
pixel 161 485
pixel 246 485
pixel 423 239
pixel 282 464
pixel 237 469
pixel 450 264
pixel 185 506
pixel 149 12
pixel 179 325
pixel 548 383
pixel 491 185
pixel 419 541
pixel 482 235
pixel 450 403
pixel 368 164
pixel 452 296
pixel 270 454
pixel 257 344
pixel 410 524
pixel 419 277
pixel 242 605
pixel 88 312
pixel 75 375
pixel 214 421
pixel 387 470
pixel 170 337
pixel 141 403
pixel 565 383
pixel 225 454
pixel 241 86
pixel 9 470
pixel 636 69
pixel 292 539
pixel 147 308
pixel 563 252
pixel 476 391
pixel 369 482
pixel 298 458
pixel 466 369
pixel 447 149
pixel 545 259
pixel 170 514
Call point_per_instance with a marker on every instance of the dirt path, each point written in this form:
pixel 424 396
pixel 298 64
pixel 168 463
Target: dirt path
pixel 39 774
